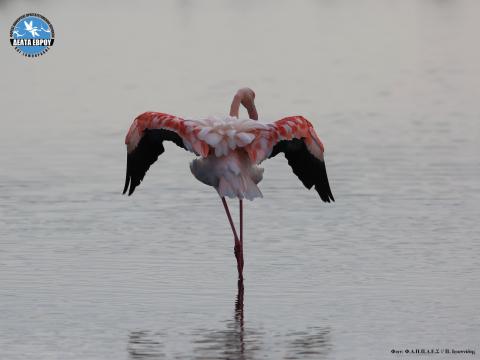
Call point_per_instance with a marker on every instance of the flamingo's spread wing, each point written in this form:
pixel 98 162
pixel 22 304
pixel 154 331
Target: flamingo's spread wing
pixel 296 138
pixel 145 143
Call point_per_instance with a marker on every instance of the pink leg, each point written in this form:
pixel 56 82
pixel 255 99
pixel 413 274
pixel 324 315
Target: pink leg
pixel 238 244
pixel 241 221
pixel 241 230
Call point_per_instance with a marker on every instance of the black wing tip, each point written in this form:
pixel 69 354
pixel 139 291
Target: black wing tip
pixel 127 182
pixel 128 187
pixel 132 189
pixel 130 182
pixel 145 154
pixel 323 187
pixel 309 169
pixel 325 196
pixel 328 198
pixel 128 176
pixel 324 191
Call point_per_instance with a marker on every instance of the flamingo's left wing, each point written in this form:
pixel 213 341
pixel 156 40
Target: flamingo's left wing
pixel 145 143
pixel 296 138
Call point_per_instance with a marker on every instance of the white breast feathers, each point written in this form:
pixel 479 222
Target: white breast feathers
pixel 225 134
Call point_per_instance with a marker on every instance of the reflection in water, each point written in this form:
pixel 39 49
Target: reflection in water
pixel 144 345
pixel 236 341
pixel 312 344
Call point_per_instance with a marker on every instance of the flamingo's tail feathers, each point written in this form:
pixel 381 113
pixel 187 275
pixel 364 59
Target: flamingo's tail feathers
pixel 242 188
pixel 232 176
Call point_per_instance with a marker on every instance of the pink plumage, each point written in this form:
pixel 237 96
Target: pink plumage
pixel 230 150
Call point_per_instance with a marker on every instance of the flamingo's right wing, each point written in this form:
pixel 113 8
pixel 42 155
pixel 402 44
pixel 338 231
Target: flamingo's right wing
pixel 145 143
pixel 295 137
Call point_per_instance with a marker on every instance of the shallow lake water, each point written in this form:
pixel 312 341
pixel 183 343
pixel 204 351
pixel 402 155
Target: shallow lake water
pixel 392 89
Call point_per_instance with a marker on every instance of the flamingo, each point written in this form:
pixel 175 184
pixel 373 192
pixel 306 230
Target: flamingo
pixel 228 151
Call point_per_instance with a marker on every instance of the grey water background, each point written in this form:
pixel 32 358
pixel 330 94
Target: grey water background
pixel 392 88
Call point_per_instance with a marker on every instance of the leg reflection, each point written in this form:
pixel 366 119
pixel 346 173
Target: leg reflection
pixel 239 316
pixel 234 340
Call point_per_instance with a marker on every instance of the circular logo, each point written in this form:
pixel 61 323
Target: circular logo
pixel 32 35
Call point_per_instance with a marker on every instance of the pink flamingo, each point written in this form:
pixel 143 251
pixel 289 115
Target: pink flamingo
pixel 230 149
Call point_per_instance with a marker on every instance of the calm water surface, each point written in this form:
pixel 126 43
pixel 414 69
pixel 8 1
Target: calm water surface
pixel 392 88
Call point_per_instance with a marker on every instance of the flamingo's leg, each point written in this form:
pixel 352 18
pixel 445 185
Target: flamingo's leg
pixel 241 231
pixel 241 221
pixel 238 245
